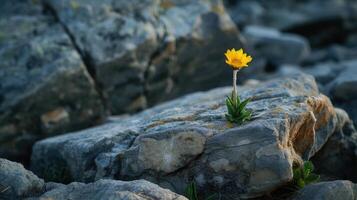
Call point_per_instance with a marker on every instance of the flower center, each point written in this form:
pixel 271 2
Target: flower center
pixel 236 61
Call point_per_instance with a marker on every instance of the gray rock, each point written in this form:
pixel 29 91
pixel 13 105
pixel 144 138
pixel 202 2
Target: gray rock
pixel 333 53
pixel 189 139
pixel 325 72
pixel 338 80
pixel 16 182
pixel 139 56
pixel 116 47
pixel 278 48
pixel 45 88
pixel 338 157
pixel 333 190
pixel 308 18
pixel 208 32
pixel 343 87
pixel 110 189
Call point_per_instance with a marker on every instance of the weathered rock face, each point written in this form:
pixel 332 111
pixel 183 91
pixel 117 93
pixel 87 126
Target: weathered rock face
pixel 338 157
pixel 111 189
pixel 137 53
pixel 338 80
pixel 189 139
pixel 44 86
pixel 16 182
pixel 333 190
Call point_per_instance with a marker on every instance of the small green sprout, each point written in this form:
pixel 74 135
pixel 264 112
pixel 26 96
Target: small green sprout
pixel 191 192
pixel 237 113
pixel 304 175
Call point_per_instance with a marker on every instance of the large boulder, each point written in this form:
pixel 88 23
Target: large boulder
pixel 138 55
pixel 333 53
pixel 110 189
pixel 338 80
pixel 276 47
pixel 189 139
pixel 338 157
pixel 16 182
pixel 332 190
pixel 45 88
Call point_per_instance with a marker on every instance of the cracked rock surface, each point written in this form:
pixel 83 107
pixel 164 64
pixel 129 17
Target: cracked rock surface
pixel 189 139
pixel 45 88
pixel 138 55
pixel 66 64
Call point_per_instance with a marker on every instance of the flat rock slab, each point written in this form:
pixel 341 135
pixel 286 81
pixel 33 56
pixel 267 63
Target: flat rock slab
pixel 110 189
pixel 189 139
pixel 332 190
pixel 16 182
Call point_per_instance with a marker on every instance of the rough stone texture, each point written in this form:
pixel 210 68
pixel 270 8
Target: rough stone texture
pixel 338 80
pixel 278 48
pixel 189 139
pixel 138 55
pixel 16 182
pixel 333 190
pixel 44 86
pixel 111 190
pixel 338 157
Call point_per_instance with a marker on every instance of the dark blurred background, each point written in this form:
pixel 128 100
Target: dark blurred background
pixel 66 65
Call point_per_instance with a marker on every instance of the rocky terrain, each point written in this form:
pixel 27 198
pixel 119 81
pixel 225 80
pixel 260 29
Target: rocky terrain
pixel 189 139
pixel 125 99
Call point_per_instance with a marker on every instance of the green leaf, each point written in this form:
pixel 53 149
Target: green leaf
pixel 229 106
pixel 308 168
pixel 296 174
pixel 300 183
pixel 313 178
pixel 243 104
pixel 303 175
pixel 237 100
pixel 236 110
pixel 191 191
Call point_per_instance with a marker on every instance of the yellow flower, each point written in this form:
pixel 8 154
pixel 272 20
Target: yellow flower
pixel 237 59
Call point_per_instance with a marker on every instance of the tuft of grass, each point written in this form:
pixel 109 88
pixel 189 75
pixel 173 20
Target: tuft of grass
pixel 237 112
pixel 304 175
pixel 191 192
